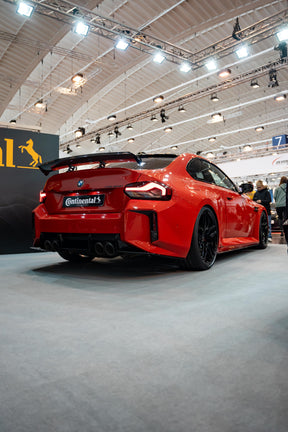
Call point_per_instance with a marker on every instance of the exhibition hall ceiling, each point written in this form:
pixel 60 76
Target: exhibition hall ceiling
pixel 40 55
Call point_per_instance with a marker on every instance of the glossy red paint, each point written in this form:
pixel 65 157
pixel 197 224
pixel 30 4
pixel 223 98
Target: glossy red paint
pixel 98 211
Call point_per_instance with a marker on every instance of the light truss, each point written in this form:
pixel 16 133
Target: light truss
pixel 190 97
pixel 68 12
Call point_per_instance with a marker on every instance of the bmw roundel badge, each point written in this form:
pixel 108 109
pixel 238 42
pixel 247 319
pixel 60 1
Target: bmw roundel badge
pixel 80 183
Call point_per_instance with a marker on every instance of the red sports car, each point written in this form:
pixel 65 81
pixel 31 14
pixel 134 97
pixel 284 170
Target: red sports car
pixel 106 205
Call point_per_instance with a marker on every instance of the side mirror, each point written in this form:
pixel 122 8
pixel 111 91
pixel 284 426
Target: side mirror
pixel 246 187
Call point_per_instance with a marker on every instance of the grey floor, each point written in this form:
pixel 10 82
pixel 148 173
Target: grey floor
pixel 142 346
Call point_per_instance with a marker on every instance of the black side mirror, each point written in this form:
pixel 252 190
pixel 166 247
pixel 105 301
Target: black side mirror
pixel 246 187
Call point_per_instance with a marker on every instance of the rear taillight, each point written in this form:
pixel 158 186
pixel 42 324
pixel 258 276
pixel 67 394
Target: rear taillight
pixel 42 197
pixel 148 190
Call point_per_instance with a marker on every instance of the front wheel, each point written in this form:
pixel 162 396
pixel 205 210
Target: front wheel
pixel 204 245
pixel 75 257
pixel 263 231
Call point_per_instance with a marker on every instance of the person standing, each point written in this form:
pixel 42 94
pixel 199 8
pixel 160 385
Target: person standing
pixel 262 196
pixel 280 201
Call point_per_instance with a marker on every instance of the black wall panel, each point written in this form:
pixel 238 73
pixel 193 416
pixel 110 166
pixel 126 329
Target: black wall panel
pixel 21 152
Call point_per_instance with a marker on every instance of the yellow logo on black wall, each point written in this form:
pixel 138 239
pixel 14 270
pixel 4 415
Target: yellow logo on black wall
pixel 36 157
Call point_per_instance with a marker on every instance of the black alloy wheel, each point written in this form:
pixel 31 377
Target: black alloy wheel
pixel 263 231
pixel 204 245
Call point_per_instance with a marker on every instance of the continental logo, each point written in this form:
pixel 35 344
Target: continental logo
pixel 7 154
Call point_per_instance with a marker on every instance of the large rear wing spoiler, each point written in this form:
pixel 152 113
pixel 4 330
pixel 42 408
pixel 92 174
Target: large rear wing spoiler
pixel 102 159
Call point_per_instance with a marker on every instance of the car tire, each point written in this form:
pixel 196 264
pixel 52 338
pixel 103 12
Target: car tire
pixel 263 231
pixel 75 257
pixel 204 245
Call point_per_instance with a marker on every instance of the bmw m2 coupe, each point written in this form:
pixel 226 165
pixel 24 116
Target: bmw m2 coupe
pixel 115 204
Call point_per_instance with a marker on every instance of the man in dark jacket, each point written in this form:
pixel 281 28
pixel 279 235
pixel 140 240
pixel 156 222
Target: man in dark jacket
pixel 262 196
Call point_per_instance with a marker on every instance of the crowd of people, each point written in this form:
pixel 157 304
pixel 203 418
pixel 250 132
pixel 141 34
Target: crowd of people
pixel 263 196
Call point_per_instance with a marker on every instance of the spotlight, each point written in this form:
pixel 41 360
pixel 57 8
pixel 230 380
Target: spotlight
pixel 282 47
pixel 97 139
pixel 110 134
pixel 236 29
pixel 214 98
pixel 280 98
pixel 122 44
pixel 211 65
pixel 158 57
pixel 174 147
pixel 185 67
pixel 273 82
pixel 79 132
pixel 81 28
pixel 111 117
pixel 117 132
pixel 242 52
pixel 259 128
pixel 101 149
pixel 24 9
pixel 254 83
pixel 163 115
pixel 168 129
pixel 181 108
pixel 154 118
pixel 282 35
pixel 131 140
pixel 39 104
pixel 212 139
pixel 224 73
pixel 158 99
pixel 129 127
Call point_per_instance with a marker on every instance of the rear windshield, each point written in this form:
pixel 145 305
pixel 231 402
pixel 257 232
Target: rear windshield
pixel 147 163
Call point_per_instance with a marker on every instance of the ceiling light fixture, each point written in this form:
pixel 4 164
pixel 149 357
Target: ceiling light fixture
pixel 122 44
pixel 217 117
pixel 214 97
pixel 77 78
pixel 81 28
pixel 154 118
pixel 280 97
pixel 224 73
pixel 282 35
pixel 158 57
pixel 254 83
pixel 129 127
pixel 211 65
pixel 40 104
pixel 78 145
pixel 185 67
pixel 242 51
pixel 212 139
pixel 131 140
pixel 168 129
pixel 174 147
pixel 247 148
pixel 79 132
pixel 110 134
pixel 111 117
pixel 181 108
pixel 210 155
pixel 101 149
pixel 158 99
pixel 259 128
pixel 24 9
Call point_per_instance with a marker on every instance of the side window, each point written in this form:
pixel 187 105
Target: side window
pixel 202 170
pixel 220 179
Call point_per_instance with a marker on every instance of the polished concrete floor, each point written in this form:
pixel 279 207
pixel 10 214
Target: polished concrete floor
pixel 143 346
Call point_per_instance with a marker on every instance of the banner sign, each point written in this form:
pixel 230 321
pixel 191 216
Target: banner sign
pixel 21 152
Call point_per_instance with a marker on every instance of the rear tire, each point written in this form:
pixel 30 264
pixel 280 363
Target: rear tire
pixel 204 245
pixel 263 231
pixel 75 257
